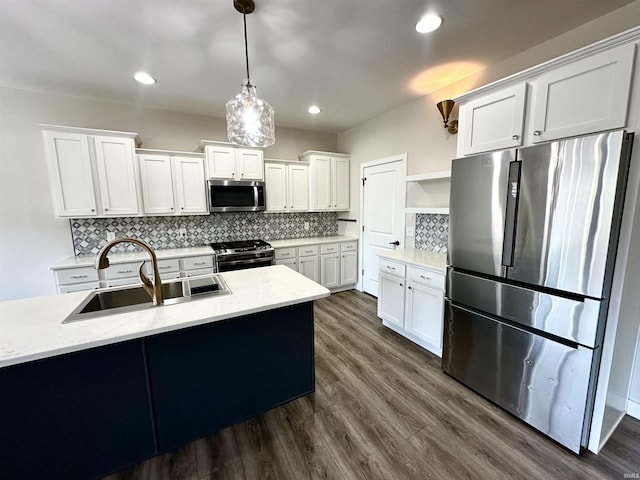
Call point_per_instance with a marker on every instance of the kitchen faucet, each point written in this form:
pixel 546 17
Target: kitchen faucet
pixel 154 289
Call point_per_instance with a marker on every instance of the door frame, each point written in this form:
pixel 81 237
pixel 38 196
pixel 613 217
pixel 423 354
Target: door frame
pixel 374 163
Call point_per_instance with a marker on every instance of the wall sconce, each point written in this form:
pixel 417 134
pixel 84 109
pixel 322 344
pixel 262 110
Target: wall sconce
pixel 445 108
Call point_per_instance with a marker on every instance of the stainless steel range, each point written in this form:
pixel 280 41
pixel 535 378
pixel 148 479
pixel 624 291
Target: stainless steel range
pixel 242 254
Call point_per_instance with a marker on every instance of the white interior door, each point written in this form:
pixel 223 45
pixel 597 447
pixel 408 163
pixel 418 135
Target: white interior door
pixel 383 204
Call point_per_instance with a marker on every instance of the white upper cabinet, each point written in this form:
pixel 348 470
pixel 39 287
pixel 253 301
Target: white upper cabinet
pixel 287 186
pixel 275 175
pixel 494 121
pixel 71 175
pixel 589 95
pixel 328 180
pixel 578 94
pixel 189 185
pixel 92 172
pixel 228 162
pixel 172 183
pixel 157 184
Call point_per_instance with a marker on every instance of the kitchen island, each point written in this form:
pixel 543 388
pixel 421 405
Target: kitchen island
pixel 83 399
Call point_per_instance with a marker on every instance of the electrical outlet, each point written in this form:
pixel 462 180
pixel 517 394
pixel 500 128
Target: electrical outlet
pixel 306 225
pixel 111 236
pixel 410 231
pixel 182 232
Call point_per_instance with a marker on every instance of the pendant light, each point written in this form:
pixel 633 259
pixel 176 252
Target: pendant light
pixel 249 118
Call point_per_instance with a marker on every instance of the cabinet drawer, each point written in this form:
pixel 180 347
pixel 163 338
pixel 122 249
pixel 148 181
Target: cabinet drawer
pixel 308 250
pixel 121 282
pixel 196 263
pixel 330 248
pixel 122 270
pixel 169 265
pixel 195 273
pixel 78 287
pixel 283 253
pixel 349 247
pixel 426 277
pixel 76 275
pixel 391 267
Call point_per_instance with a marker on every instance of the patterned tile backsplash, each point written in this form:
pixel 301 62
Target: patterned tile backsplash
pixel 432 232
pixel 90 234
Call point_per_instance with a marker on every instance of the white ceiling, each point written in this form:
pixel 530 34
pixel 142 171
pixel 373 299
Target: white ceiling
pixel 354 58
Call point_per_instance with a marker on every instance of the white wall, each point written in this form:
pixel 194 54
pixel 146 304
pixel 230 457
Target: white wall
pixel 31 239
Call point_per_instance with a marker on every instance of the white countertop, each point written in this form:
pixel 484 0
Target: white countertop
pixel 299 242
pixel 32 328
pixel 420 258
pixel 115 258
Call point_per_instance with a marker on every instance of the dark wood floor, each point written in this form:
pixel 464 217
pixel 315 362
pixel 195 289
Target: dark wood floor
pixel 383 409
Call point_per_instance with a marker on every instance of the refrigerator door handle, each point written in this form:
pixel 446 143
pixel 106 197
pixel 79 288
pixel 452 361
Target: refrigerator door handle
pixel 510 214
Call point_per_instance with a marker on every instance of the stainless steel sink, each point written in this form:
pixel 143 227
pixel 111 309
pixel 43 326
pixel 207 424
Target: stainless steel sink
pixel 131 299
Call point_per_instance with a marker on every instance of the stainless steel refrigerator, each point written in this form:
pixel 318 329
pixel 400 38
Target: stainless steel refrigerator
pixel 533 235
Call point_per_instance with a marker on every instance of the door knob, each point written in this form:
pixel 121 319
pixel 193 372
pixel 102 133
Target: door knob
pixel 396 243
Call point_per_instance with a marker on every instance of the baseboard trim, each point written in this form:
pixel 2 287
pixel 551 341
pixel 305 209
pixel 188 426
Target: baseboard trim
pixel 633 409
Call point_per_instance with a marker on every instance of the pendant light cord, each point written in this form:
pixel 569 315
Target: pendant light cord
pixel 246 46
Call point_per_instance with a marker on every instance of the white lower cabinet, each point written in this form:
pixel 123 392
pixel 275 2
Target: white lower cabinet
pixel 411 302
pixel 333 265
pixel 75 279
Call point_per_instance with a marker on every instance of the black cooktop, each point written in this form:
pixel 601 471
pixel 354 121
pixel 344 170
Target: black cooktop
pixel 240 246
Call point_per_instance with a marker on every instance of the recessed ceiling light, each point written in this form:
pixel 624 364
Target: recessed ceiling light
pixel 428 23
pixel 314 110
pixel 144 78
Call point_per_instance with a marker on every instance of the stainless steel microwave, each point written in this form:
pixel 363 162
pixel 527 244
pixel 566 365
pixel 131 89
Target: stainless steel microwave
pixel 235 196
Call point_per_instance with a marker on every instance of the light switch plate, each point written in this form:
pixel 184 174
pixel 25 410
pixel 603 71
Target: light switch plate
pixel 410 231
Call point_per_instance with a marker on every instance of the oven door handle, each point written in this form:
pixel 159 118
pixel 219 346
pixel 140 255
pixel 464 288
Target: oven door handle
pixel 247 261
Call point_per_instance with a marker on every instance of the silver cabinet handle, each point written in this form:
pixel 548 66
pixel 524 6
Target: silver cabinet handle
pixel 426 278
pixel 199 263
pixel 536 133
pixel 125 271
pixel 79 276
pixel 515 137
pixel 390 267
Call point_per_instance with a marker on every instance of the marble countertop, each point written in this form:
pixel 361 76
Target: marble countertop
pixel 32 328
pixel 115 258
pixel 420 258
pixel 299 242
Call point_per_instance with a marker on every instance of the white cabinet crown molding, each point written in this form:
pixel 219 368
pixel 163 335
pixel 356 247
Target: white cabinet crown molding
pixel 91 131
pixel 628 36
pixel 153 151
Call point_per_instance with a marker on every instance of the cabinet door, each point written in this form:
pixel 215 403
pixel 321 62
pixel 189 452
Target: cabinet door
pixel 320 182
pixel 70 174
pixel 157 184
pixel 289 262
pixel 189 185
pixel 494 121
pixel 298 188
pixel 115 159
pixel 589 95
pixel 348 268
pixel 424 314
pixel 308 266
pixel 391 299
pixel 276 187
pixel 250 164
pixel 330 270
pixel 340 183
pixel 221 161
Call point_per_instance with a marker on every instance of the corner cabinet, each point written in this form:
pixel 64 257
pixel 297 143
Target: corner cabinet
pixel 173 183
pixel 91 172
pixel 287 186
pixel 225 160
pixel 564 98
pixel 328 180
pixel 411 302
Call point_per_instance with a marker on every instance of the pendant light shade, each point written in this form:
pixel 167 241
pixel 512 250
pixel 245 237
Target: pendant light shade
pixel 250 120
